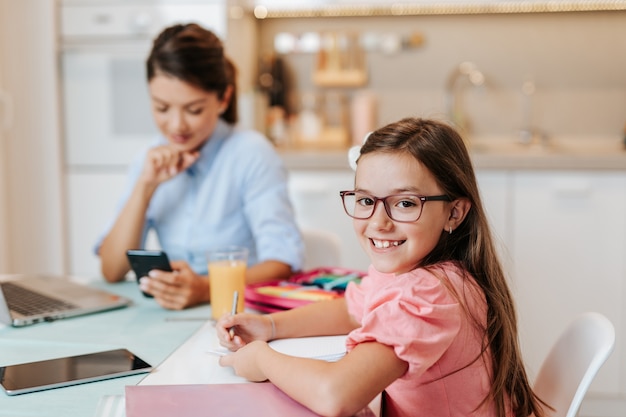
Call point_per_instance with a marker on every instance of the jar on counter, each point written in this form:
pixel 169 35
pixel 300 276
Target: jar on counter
pixel 323 121
pixel 309 125
pixel 335 131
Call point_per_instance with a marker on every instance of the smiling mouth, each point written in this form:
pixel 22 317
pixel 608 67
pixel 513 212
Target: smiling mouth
pixel 180 138
pixel 383 244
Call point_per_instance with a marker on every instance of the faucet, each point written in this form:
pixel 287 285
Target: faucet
pixel 465 70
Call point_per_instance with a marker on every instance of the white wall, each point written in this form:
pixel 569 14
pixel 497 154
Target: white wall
pixel 4 97
pixel 31 212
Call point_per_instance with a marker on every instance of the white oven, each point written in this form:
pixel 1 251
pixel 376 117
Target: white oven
pixel 104 45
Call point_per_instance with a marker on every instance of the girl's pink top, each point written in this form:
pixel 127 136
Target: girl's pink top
pixel 417 315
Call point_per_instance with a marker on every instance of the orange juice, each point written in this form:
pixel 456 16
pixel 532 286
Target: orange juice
pixel 226 277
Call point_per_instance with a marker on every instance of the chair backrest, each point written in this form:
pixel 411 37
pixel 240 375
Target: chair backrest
pixel 322 248
pixel 573 362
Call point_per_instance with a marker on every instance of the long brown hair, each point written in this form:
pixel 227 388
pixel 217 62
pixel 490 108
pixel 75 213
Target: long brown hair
pixel 441 150
pixel 195 55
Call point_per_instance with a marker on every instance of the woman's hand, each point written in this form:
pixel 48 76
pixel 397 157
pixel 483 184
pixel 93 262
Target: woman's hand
pixel 166 161
pixel 176 290
pixel 247 328
pixel 245 362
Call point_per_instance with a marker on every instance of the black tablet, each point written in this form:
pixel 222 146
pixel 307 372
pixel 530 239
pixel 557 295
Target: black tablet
pixel 72 370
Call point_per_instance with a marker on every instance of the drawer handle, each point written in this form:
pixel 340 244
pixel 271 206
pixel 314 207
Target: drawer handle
pixel 102 19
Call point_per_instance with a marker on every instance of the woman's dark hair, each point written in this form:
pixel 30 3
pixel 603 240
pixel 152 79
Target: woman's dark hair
pixel 440 149
pixel 195 55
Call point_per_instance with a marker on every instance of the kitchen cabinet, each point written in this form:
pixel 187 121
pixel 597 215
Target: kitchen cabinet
pixel 568 243
pixel 494 187
pixel 91 201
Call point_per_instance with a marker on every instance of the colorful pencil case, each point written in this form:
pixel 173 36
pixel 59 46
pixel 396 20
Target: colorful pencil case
pixel 303 288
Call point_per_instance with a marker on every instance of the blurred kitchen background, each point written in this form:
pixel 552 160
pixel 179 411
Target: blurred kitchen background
pixel 538 88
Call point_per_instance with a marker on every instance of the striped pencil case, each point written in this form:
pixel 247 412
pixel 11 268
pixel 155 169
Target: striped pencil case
pixel 303 288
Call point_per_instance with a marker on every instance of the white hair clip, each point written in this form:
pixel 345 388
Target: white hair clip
pixel 355 151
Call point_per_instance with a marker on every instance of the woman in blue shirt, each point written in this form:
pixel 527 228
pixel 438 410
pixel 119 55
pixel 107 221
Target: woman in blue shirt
pixel 205 183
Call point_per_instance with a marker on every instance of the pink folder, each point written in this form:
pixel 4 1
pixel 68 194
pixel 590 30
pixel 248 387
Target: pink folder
pixel 215 400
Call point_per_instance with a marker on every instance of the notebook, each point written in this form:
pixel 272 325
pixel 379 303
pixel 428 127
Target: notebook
pixel 29 299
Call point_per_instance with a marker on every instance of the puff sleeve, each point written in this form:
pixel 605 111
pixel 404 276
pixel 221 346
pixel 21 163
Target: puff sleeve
pixel 414 313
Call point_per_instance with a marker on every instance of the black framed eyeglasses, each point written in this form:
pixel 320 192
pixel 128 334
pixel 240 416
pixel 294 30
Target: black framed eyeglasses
pixel 404 208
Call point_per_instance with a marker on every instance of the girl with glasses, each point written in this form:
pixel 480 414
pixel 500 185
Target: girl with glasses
pixel 433 325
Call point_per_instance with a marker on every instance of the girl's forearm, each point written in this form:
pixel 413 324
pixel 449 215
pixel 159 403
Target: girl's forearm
pixel 311 385
pixel 316 319
pixel 339 388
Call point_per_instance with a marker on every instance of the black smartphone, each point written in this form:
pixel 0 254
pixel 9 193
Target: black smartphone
pixel 143 261
pixel 72 370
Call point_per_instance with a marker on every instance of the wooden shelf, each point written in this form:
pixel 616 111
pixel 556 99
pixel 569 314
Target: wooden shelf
pixel 342 78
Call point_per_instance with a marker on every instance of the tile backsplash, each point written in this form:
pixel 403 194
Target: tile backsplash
pixel 576 61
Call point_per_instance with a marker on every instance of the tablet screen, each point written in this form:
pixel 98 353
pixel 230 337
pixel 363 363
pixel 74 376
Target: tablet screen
pixel 72 370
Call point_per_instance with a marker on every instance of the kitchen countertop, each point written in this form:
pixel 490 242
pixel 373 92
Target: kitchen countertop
pixel 562 154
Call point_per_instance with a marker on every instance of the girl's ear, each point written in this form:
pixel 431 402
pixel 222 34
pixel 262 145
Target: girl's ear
pixel 458 211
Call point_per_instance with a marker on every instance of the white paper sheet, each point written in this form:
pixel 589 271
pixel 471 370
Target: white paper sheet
pixel 196 360
pixel 328 348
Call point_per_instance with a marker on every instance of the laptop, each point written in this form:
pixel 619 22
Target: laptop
pixel 29 299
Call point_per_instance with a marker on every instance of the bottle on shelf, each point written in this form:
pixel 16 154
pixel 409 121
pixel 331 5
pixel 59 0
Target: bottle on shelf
pixel 362 115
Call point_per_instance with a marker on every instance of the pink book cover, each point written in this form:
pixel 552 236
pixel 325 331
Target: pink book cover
pixel 215 400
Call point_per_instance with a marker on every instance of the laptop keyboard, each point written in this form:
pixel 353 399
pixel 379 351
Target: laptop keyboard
pixel 27 302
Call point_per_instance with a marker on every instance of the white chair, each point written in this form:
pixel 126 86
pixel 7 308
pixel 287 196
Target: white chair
pixel 573 362
pixel 322 248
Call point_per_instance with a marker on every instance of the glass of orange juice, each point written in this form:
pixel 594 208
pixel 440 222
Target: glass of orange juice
pixel 227 274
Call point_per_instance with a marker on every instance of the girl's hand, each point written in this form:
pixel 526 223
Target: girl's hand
pixel 245 362
pixel 176 290
pixel 248 328
pixel 166 161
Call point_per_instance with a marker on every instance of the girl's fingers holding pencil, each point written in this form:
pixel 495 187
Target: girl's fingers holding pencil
pixel 248 327
pixel 223 334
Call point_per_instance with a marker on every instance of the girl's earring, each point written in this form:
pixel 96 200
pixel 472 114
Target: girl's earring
pixel 450 230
